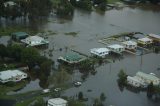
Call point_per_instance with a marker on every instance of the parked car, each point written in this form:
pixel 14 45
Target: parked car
pixel 46 91
pixel 78 83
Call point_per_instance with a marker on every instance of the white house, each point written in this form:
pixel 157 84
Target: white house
pixel 57 102
pixel 145 41
pixel 116 48
pixel 101 52
pixel 34 41
pixel 154 37
pixel 130 45
pixel 12 75
pixel 148 78
pixel 135 81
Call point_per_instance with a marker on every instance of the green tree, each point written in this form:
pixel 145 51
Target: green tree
pixel 83 4
pixel 122 77
pixel 80 95
pixel 102 97
pixel 97 102
pixel 3 51
pixel 150 90
pixel 15 51
pixel 30 56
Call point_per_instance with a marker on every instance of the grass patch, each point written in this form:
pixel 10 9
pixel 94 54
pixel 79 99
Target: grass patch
pixel 9 30
pixel 113 1
pixel 5 88
pixel 74 34
pixel 37 100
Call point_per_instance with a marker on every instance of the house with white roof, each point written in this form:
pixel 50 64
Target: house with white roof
pixel 130 45
pixel 148 78
pixel 12 75
pixel 101 52
pixel 57 102
pixel 136 81
pixel 154 37
pixel 145 41
pixel 116 48
pixel 34 41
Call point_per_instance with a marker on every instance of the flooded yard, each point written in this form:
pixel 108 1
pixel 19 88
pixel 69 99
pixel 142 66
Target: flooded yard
pixel 89 28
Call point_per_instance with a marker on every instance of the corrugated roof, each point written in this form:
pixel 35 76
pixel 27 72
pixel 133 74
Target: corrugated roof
pixel 99 50
pixel 154 36
pixel 146 39
pixel 73 57
pixel 115 46
pixel 57 101
pixel 147 76
pixel 10 73
pixel 130 42
pixel 35 40
pixel 20 34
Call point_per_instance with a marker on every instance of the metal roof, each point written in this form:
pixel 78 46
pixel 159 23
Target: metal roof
pixel 57 101
pixel 130 42
pixel 35 40
pixel 146 39
pixel 99 50
pixel 147 76
pixel 115 46
pixel 19 34
pixel 10 73
pixel 73 57
pixel 154 36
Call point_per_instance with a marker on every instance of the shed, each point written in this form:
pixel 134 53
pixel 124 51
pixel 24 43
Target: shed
pixel 131 45
pixel 101 52
pixel 57 102
pixel 17 36
pixel 116 48
pixel 145 41
pixel 34 41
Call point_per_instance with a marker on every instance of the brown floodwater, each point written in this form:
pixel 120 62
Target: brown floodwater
pixel 90 27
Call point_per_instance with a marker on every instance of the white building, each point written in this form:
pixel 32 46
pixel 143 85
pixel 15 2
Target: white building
pixel 148 78
pixel 57 102
pixel 145 41
pixel 34 41
pixel 154 37
pixel 116 48
pixel 131 45
pixel 101 52
pixel 12 75
pixel 135 81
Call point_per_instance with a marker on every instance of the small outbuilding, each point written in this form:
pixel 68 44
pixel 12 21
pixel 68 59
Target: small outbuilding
pixel 116 48
pixel 145 41
pixel 101 52
pixel 35 41
pixel 18 36
pixel 57 102
pixel 130 45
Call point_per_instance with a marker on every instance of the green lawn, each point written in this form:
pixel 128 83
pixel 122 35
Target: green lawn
pixel 113 1
pixel 5 88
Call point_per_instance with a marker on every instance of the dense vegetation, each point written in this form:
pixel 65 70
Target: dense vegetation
pixel 39 66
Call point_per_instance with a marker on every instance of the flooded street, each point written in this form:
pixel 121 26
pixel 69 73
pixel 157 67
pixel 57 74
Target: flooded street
pixel 90 27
